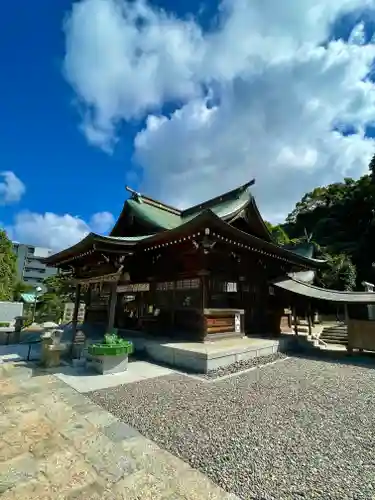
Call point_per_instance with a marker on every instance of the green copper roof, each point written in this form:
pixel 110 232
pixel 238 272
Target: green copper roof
pixel 153 216
pixel 29 298
pixel 161 218
pixel 304 249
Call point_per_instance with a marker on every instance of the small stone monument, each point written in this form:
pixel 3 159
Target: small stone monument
pixel 78 349
pixel 51 348
pixel 18 325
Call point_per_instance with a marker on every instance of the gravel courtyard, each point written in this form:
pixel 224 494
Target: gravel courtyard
pixel 296 429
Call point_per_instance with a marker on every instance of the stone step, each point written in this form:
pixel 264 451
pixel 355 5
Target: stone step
pixel 336 341
pixel 338 334
pixel 335 330
pixel 333 334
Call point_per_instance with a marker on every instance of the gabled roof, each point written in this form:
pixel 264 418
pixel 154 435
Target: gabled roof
pixel 157 216
pixel 89 243
pixel 315 292
pixel 208 219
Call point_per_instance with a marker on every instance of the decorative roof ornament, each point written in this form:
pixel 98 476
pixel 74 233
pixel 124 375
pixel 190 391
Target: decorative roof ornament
pixel 136 197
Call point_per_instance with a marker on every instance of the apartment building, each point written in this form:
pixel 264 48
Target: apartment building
pixel 30 267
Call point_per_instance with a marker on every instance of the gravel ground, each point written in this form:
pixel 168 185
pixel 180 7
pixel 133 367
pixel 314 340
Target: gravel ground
pixel 242 365
pixel 296 429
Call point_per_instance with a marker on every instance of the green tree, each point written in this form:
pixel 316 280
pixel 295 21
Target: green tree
pixel 7 267
pixel 338 274
pixel 59 290
pixel 278 234
pixel 20 287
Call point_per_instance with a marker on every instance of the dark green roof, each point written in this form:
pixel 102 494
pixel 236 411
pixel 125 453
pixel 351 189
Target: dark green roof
pixel 304 249
pixel 154 216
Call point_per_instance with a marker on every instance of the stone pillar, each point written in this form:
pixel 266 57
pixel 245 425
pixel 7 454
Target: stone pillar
pixel 112 307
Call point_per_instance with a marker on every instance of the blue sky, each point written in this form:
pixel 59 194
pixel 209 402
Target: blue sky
pixel 75 144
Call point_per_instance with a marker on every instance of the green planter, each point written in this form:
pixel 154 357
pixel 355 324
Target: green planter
pixel 111 346
pixel 111 350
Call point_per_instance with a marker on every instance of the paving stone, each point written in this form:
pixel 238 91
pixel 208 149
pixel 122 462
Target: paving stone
pixel 39 489
pixel 13 444
pixel 93 491
pixel 57 412
pixel 118 431
pixel 84 406
pixel 16 404
pixel 5 423
pixel 140 485
pixel 31 429
pixel 17 471
pixel 78 430
pixel 7 451
pixel 7 387
pixel 45 447
pixel 109 460
pixel 67 471
pixel 100 418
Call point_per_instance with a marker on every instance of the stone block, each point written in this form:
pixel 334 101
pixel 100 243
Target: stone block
pixel 17 471
pixel 108 364
pixel 118 431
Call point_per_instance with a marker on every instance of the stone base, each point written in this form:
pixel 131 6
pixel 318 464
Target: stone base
pixel 108 364
pixel 203 358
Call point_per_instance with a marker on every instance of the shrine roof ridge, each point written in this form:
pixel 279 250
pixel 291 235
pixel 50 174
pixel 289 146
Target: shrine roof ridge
pixel 160 216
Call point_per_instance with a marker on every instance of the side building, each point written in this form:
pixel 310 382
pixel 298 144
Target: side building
pixel 30 264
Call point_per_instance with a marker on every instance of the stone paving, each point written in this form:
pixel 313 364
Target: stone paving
pixel 57 444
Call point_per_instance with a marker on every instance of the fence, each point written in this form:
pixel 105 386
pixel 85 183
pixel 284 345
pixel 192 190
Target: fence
pixel 9 311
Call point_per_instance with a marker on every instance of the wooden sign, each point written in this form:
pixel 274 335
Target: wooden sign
pixel 133 287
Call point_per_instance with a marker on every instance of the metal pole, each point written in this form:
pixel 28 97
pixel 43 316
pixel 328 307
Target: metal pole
pixel 34 308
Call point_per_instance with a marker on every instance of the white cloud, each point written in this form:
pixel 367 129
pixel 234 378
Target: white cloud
pixel 101 222
pixel 259 95
pixel 11 188
pixel 55 231
pixel 358 36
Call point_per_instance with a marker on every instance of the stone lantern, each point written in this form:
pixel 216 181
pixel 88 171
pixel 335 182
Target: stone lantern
pixel 51 348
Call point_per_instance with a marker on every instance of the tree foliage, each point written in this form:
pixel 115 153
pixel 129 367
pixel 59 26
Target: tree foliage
pixel 20 287
pixel 339 274
pixel 341 218
pixel 7 267
pixel 59 290
pixel 278 233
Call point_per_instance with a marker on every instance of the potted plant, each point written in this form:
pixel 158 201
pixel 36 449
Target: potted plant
pixel 111 355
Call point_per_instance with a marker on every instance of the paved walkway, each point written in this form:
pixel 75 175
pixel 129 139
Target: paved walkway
pixel 56 444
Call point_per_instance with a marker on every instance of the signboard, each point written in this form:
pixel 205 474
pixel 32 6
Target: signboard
pixel 99 279
pixel 230 287
pixel 237 322
pixel 133 287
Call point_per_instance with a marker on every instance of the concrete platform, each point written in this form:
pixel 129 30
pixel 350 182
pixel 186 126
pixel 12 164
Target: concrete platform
pixel 83 381
pixel 199 357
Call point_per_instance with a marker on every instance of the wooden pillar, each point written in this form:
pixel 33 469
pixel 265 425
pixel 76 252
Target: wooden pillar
pixel 205 291
pixel 77 301
pixel 295 320
pixel 309 319
pixel 346 314
pixel 112 307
